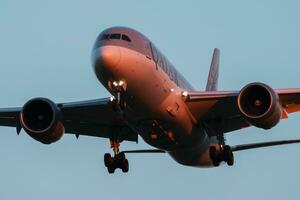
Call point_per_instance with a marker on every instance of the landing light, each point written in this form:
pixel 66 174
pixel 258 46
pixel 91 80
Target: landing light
pixel 115 83
pixel 184 94
pixel 112 98
pixel 121 83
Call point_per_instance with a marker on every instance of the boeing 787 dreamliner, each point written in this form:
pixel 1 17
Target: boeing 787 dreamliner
pixel 151 99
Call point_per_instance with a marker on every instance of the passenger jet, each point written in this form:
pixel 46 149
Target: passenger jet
pixel 151 99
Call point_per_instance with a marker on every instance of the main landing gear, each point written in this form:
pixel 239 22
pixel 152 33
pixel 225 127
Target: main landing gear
pixel 117 161
pixel 222 153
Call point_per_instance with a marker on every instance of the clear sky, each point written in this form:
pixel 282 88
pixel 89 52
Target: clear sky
pixel 45 51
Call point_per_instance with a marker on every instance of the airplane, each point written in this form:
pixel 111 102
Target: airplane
pixel 151 99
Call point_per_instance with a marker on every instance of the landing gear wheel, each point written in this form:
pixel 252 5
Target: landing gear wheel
pixel 118 161
pixel 121 156
pixel 111 169
pixel 125 166
pixel 228 155
pixel 109 163
pixel 108 160
pixel 122 162
pixel 213 153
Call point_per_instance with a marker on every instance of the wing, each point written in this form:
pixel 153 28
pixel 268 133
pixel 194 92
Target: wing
pixel 290 99
pixel 218 109
pixel 263 144
pixel 96 118
pixel 10 117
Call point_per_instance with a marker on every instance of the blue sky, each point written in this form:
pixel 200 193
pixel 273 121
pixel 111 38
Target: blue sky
pixel 45 51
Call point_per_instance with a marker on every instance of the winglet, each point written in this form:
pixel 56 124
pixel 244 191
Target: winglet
pixel 212 82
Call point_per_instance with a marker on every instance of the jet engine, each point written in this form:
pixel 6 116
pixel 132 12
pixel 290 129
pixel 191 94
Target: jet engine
pixel 259 105
pixel 42 120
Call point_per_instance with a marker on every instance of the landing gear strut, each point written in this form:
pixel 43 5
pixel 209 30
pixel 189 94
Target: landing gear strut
pixel 223 153
pixel 117 161
pixel 119 89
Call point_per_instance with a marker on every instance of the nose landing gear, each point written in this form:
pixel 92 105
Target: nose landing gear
pixel 117 161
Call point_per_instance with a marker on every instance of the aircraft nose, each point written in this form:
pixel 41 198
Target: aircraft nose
pixel 106 57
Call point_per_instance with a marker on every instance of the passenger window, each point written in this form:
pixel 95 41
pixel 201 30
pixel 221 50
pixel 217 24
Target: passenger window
pixel 105 37
pixel 115 36
pixel 126 38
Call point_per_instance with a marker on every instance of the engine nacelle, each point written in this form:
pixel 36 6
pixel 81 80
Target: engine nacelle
pixel 259 105
pixel 42 120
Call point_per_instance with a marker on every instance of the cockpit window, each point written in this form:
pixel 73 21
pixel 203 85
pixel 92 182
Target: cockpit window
pixel 105 37
pixel 115 36
pixel 126 38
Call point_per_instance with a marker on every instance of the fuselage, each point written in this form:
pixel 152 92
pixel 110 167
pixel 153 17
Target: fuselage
pixel 154 94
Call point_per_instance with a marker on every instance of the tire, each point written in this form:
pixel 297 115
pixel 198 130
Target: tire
pixel 213 153
pixel 121 156
pixel 216 163
pixel 125 166
pixel 107 159
pixel 228 156
pixel 111 169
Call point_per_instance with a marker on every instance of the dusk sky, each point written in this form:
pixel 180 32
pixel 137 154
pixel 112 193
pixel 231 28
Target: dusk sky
pixel 45 51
